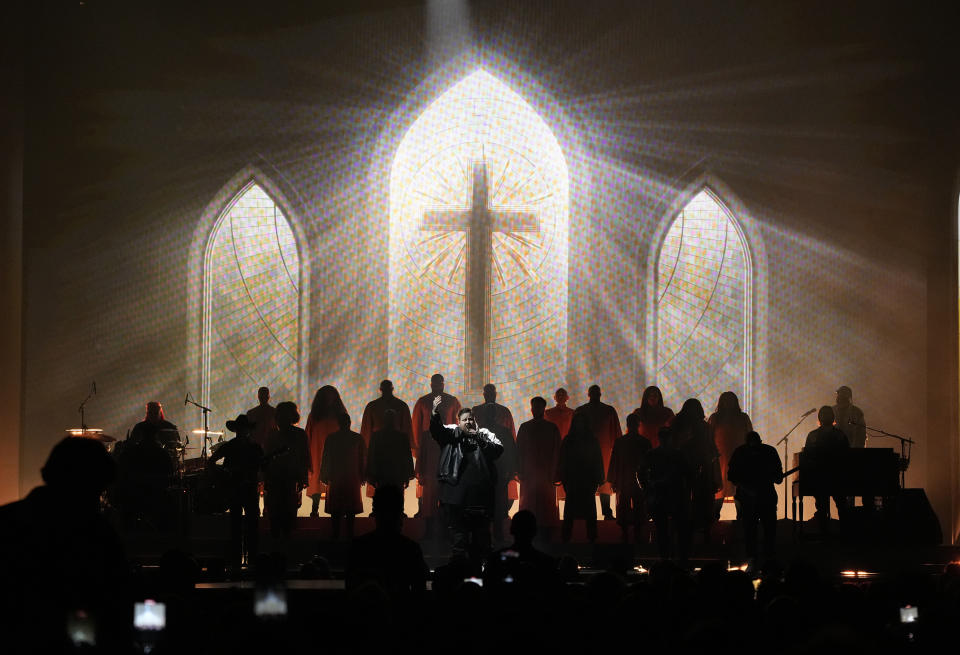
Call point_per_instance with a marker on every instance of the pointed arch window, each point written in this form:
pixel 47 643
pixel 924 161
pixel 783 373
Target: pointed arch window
pixel 478 246
pixel 703 305
pixel 251 304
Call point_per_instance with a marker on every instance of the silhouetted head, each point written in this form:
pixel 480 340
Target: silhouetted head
pixel 436 383
pixel 728 403
pixel 579 424
pixel 560 396
pixel 343 420
pixel 326 403
pixel 386 388
pixel 263 395
pixel 154 412
pixel 79 467
pixel 538 406
pixel 665 435
pixel 652 397
pixel 826 416
pixel 388 506
pixel 753 439
pixel 691 411
pixel 593 393
pixel 466 421
pixel 287 414
pixel 390 419
pixel 523 526
pixel 633 423
pixel 844 396
pixel 242 425
pixel 489 393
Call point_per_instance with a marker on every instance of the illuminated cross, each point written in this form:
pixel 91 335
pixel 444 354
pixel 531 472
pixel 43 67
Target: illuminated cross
pixel 479 223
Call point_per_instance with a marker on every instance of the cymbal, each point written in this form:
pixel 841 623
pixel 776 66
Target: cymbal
pixel 91 433
pixel 209 433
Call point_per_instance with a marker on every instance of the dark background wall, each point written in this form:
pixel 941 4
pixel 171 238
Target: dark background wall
pixel 833 128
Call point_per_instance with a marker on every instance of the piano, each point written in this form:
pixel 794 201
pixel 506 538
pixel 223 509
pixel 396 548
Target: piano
pixel 853 472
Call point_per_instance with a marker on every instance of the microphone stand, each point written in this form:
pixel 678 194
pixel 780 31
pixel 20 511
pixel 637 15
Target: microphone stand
pixel 785 440
pixel 206 428
pixel 83 424
pixel 905 452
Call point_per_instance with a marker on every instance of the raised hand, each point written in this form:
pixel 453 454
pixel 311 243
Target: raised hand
pixel 436 403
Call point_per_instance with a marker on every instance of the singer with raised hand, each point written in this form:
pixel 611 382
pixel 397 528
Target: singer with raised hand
pixel 467 475
pixel 850 418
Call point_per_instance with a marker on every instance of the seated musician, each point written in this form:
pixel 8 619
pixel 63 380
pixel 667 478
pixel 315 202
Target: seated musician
pixel 826 444
pixel 152 425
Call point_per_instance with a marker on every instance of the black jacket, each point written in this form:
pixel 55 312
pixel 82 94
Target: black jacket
pixel 467 471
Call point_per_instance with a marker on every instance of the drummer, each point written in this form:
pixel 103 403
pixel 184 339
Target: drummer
pixel 154 427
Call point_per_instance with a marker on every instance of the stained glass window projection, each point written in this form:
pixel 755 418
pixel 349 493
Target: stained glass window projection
pixel 251 322
pixel 703 290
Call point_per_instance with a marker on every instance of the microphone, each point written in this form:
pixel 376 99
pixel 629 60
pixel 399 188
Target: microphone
pixel 809 412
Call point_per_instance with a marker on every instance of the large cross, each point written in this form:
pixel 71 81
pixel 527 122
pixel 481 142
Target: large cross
pixel 479 223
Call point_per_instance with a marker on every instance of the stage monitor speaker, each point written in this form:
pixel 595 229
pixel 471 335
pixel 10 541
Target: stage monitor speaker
pixel 914 521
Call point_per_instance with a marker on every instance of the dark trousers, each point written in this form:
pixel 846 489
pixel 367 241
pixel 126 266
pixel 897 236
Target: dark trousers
pixel 244 520
pixel 469 529
pixel 752 515
pixel 672 519
pixel 631 510
pixel 605 506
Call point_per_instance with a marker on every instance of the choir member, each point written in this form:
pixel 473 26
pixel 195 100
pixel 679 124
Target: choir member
pixel 581 473
pixel 321 423
pixel 729 426
pixel 389 462
pixel 538 449
pixel 628 458
pixel 342 470
pixel 263 416
pixel 604 425
pixel 653 415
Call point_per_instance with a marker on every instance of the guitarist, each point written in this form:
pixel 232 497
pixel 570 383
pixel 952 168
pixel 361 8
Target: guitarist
pixel 243 458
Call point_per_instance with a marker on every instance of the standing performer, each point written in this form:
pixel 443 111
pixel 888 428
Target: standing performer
pixel 849 418
pixel 692 438
pixel 604 425
pixel 538 450
pixel 628 458
pixel 581 473
pixel 374 418
pixel 560 415
pixel 242 458
pixel 826 445
pixel 498 419
pixel 756 470
pixel 342 471
pixel 286 471
pixel 667 482
pixel 426 449
pixel 653 415
pixel 389 462
pixel 263 416
pixel 729 426
pixel 466 475
pixel 321 423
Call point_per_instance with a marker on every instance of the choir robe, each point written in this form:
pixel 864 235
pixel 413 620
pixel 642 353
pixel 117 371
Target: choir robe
pixel 265 419
pixel 317 432
pixel 626 462
pixel 581 472
pixel 561 417
pixel 389 460
pixel 373 420
pixel 605 426
pixel 498 419
pixel 729 433
pixel 342 470
pixel 538 449
pixel 428 451
pixel 651 424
